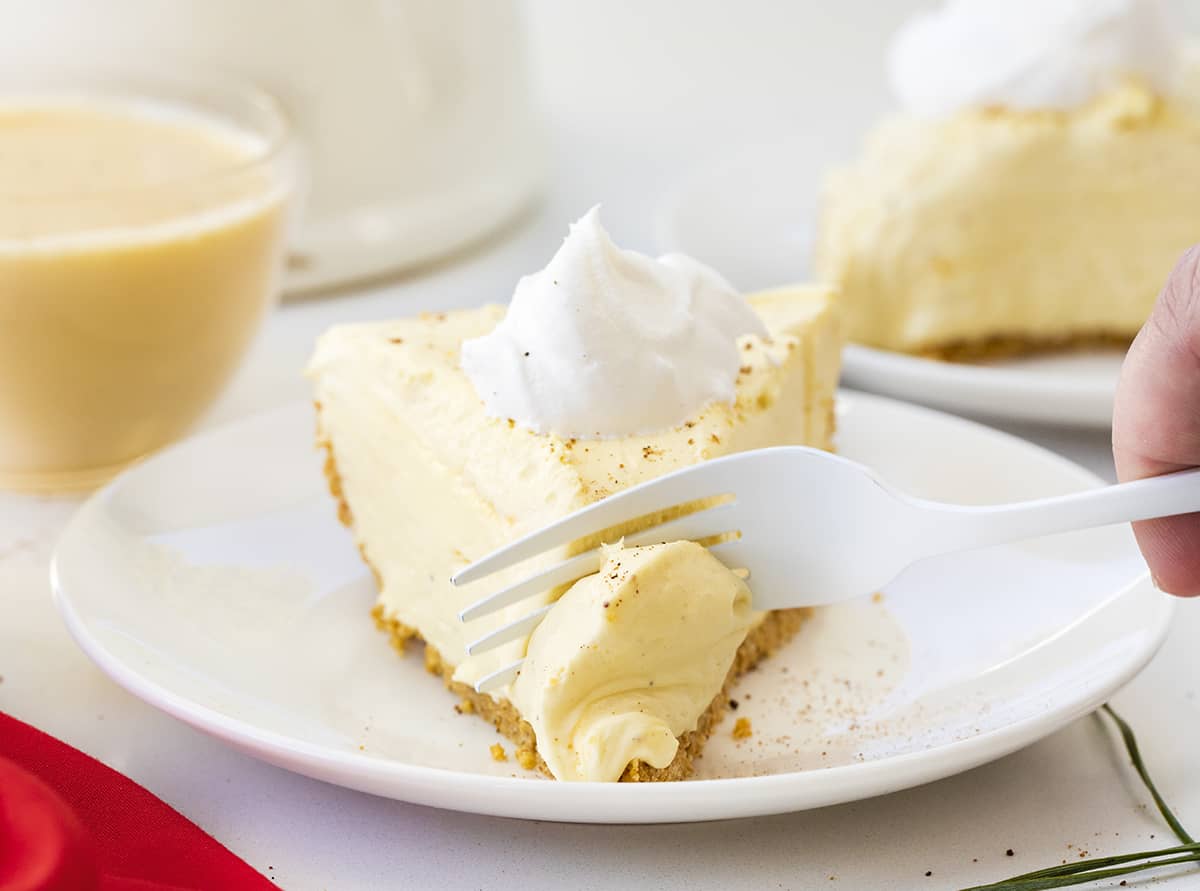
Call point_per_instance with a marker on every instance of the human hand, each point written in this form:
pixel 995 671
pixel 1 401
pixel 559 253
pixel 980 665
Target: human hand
pixel 1156 421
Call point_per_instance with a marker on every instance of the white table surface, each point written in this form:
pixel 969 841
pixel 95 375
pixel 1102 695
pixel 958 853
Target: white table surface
pixel 666 95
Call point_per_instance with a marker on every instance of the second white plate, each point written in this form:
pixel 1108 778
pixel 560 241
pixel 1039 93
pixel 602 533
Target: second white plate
pixel 1072 389
pixel 214 582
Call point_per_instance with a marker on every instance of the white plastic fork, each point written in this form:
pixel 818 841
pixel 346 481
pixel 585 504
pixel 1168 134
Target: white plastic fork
pixel 809 526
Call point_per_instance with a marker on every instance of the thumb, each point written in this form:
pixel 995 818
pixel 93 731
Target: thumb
pixel 1156 421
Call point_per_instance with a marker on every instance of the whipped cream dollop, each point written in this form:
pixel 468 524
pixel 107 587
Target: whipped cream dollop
pixel 606 342
pixel 1030 54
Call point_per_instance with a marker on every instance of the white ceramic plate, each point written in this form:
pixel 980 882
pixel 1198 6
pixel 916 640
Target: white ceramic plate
pixel 1073 389
pixel 752 215
pixel 214 582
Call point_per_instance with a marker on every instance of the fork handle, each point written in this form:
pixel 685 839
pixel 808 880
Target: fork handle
pixel 958 528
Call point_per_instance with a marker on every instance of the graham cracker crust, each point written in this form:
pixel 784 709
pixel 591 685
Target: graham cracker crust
pixel 772 633
pixel 1010 346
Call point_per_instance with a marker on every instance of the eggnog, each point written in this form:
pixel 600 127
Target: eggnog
pixel 140 246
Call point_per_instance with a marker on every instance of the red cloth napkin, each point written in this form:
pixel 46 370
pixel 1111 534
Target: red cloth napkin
pixel 69 823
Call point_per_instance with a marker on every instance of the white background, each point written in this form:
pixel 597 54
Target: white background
pixel 635 93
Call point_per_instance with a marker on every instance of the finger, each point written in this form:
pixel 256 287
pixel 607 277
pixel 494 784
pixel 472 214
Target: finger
pixel 1156 420
pixel 1171 547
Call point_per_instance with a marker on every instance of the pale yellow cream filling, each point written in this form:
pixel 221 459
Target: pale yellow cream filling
pixel 630 657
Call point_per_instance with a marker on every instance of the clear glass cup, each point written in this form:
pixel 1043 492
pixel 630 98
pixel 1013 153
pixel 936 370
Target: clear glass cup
pixel 126 306
pixel 420 130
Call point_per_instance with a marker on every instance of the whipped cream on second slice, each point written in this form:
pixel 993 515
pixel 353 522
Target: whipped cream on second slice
pixel 1030 54
pixel 606 342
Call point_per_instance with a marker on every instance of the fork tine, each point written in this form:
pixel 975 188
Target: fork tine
pixel 701 524
pixel 659 494
pixel 704 523
pixel 729 552
pixel 499 678
pixel 560 574
pixel 505 633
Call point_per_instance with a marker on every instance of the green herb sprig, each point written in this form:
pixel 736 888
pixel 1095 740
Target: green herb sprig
pixel 1100 868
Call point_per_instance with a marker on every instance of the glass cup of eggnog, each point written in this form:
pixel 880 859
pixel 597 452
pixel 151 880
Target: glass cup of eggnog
pixel 143 221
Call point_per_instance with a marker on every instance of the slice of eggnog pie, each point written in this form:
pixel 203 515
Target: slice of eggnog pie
pixel 451 434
